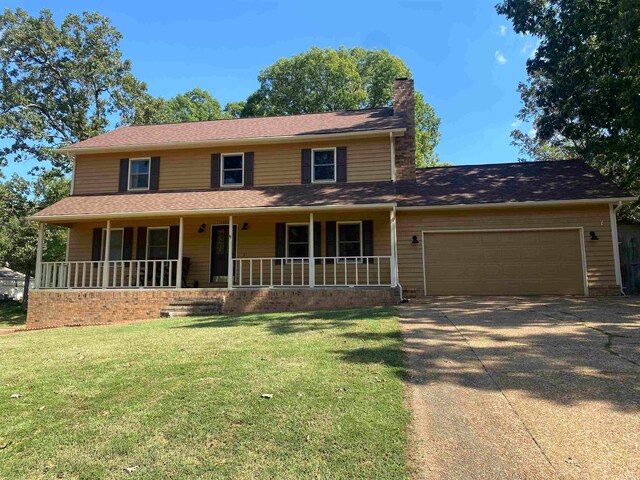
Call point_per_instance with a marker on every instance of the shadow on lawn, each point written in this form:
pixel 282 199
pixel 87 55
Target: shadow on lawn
pixel 12 314
pixel 299 322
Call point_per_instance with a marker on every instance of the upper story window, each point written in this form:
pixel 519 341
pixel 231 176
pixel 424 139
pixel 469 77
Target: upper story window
pixel 139 173
pixel 323 165
pixel 158 243
pixel 232 171
pixel 116 243
pixel 350 239
pixel 297 240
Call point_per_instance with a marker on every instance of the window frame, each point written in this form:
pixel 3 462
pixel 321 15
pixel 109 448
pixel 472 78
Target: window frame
pixel 335 164
pixel 286 241
pixel 347 222
pixel 222 157
pixel 103 244
pixel 140 159
pixel 149 229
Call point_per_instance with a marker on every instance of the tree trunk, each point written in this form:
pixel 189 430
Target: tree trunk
pixel 25 289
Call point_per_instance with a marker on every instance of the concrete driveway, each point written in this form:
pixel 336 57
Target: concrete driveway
pixel 524 388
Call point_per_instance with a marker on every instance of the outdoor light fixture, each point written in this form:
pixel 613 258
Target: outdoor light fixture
pixel 594 236
pixel 415 239
pixel 245 226
pixel 202 228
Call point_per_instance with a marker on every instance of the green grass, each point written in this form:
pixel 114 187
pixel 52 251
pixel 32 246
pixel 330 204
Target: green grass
pixel 181 398
pixel 12 315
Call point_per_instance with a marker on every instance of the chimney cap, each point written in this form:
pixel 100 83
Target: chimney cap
pixel 401 78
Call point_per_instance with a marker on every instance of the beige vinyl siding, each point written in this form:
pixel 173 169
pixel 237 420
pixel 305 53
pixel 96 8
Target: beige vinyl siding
pixel 368 160
pixel 599 254
pixel 257 241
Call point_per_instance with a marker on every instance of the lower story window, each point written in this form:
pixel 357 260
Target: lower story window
pixel 115 244
pixel 350 239
pixel 158 243
pixel 297 241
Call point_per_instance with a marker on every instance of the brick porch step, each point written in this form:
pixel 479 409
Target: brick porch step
pixel 192 308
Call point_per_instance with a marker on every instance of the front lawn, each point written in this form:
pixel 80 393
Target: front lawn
pixel 182 398
pixel 12 315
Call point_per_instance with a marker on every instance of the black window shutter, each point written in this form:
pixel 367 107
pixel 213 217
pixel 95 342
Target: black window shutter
pixel 123 185
pixel 248 169
pixel 367 238
pixel 317 239
pixel 306 165
pixel 174 238
pixel 341 164
pixel 141 250
pixel 215 170
pixel 127 243
pixel 331 239
pixel 281 239
pixel 96 245
pixel 154 174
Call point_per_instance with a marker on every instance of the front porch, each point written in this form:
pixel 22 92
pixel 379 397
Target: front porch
pixel 314 249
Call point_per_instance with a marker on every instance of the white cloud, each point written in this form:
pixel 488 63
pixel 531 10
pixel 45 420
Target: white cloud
pixel 532 132
pixel 516 123
pixel 530 48
pixel 502 30
pixel 500 58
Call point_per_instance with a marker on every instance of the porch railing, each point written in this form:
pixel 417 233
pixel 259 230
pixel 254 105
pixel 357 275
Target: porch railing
pixel 328 272
pixel 121 274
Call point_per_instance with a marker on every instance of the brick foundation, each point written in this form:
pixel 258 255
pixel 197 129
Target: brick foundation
pixel 54 308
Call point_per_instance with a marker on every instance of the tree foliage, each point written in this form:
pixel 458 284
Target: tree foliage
pixel 60 84
pixel 322 80
pixel 20 198
pixel 192 106
pixel 582 89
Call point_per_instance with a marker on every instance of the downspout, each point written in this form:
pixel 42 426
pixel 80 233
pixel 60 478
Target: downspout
pixel 616 248
pixel 393 157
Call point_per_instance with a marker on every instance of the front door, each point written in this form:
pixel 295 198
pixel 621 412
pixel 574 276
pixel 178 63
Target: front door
pixel 220 252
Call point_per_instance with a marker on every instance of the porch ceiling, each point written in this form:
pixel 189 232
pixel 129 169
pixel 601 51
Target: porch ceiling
pixel 232 201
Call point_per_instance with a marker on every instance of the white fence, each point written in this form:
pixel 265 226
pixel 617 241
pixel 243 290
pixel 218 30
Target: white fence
pixel 121 274
pixel 329 272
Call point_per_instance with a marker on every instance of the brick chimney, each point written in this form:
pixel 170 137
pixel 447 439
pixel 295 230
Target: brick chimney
pixel 404 104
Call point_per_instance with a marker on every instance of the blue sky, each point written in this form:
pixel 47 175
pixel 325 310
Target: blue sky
pixel 464 57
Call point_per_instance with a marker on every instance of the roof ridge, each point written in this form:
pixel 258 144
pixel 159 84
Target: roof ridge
pixel 531 162
pixel 358 110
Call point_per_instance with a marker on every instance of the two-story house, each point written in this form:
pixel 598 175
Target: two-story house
pixel 312 211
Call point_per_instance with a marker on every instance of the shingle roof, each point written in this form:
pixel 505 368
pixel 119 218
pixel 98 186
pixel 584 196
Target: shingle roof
pixel 242 128
pixel 443 186
pixel 507 183
pixel 225 199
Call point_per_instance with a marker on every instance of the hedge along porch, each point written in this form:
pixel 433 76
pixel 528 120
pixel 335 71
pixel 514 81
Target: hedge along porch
pixel 348 247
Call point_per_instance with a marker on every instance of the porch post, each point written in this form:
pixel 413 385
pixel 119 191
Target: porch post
pixel 105 265
pixel 39 255
pixel 312 263
pixel 394 248
pixel 180 245
pixel 230 255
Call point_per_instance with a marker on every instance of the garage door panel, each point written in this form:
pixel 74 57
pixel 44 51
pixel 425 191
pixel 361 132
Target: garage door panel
pixel 503 263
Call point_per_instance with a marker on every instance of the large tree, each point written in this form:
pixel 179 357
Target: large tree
pixel 20 198
pixel 322 80
pixel 192 106
pixel 581 94
pixel 60 84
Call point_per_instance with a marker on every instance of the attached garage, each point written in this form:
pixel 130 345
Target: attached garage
pixel 504 262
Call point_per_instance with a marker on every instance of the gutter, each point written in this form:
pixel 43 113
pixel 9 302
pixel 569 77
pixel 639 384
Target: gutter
pixel 232 141
pixel 546 203
pixel 210 212
pixel 616 248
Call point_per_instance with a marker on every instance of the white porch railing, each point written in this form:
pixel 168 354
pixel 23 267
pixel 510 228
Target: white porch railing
pixel 121 274
pixel 329 272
